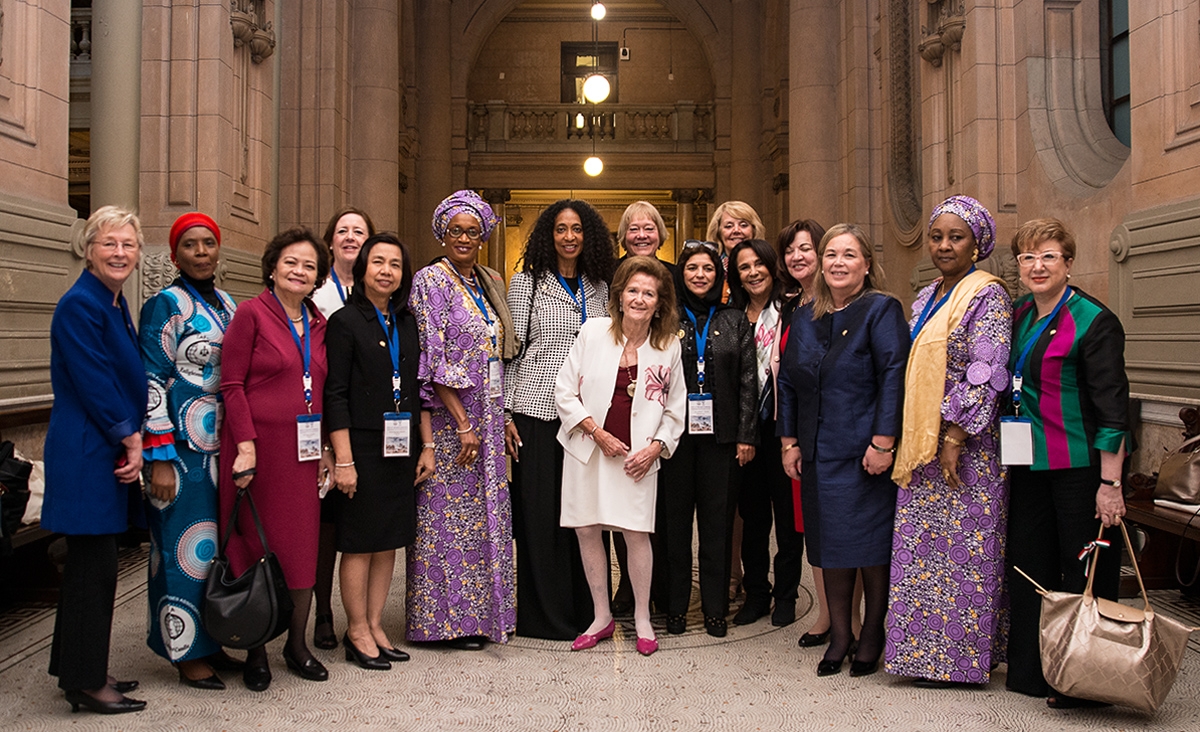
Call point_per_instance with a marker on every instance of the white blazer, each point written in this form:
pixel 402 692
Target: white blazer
pixel 585 387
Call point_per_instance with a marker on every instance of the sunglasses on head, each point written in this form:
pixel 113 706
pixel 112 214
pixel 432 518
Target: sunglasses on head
pixel 698 244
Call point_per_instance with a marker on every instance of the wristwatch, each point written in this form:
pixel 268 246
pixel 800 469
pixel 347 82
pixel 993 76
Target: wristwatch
pixel 1114 483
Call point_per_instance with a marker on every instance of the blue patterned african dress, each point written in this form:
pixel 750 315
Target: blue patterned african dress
pixel 181 337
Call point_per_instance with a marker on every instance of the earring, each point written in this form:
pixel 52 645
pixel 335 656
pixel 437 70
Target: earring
pixel 1068 275
pixel 657 314
pixel 975 256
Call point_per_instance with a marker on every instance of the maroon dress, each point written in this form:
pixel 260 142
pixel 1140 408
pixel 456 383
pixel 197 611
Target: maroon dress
pixel 262 383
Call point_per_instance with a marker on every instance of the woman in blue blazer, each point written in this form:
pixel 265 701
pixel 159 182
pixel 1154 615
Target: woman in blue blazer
pixel 841 389
pixel 93 456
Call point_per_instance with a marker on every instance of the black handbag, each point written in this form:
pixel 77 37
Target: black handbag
pixel 250 610
pixel 14 497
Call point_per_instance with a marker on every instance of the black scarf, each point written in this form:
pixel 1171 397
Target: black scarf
pixel 693 302
pixel 207 289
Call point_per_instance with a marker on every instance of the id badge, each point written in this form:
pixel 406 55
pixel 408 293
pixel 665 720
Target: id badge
pixel 308 437
pixel 397 434
pixel 700 414
pixel 495 387
pixel 1016 441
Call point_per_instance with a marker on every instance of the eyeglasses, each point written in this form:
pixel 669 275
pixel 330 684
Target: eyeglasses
pixel 454 232
pixel 109 245
pixel 697 244
pixel 1048 259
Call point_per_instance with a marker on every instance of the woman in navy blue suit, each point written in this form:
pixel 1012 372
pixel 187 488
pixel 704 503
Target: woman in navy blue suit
pixel 93 456
pixel 841 389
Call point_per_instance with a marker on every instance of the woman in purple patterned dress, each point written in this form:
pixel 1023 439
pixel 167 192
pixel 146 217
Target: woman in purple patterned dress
pixel 947 617
pixel 460 566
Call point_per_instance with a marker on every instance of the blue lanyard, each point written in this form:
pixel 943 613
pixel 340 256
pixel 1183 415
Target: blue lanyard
pixel 479 303
pixel 305 348
pixel 931 308
pixel 1017 379
pixel 580 300
pixel 701 342
pixel 219 323
pixel 393 341
pixel 338 283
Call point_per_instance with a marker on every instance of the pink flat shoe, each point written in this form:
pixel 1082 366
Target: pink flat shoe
pixel 585 641
pixel 646 646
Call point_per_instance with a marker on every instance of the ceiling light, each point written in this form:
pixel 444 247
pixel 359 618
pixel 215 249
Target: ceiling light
pixel 595 88
pixel 598 11
pixel 593 166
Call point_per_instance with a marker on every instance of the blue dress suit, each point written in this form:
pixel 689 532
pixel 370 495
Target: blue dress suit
pixel 841 382
pixel 100 398
pixel 100 393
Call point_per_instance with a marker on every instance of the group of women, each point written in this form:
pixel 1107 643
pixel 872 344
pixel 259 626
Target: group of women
pixel 366 407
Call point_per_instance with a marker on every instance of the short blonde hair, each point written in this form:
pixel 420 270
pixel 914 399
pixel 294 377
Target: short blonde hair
pixel 666 320
pixel 735 210
pixel 110 217
pixel 1035 231
pixel 823 298
pixel 641 209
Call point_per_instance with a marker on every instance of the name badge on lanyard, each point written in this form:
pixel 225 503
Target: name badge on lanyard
pixel 308 426
pixel 495 383
pixel 397 434
pixel 700 414
pixel 495 378
pixel 1016 433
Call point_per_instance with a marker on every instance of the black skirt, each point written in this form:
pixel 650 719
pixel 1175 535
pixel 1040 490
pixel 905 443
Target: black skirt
pixel 382 513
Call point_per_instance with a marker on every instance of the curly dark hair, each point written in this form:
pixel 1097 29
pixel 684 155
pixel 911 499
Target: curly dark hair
pixel 738 297
pixel 399 298
pixel 285 239
pixel 597 260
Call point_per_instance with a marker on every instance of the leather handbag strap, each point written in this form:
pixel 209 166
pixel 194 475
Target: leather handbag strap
pixel 233 517
pixel 1095 559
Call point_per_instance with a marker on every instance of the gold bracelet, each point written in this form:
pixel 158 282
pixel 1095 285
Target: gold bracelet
pixel 785 448
pixel 955 441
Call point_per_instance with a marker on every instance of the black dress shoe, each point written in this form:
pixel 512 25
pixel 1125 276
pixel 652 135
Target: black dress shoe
pixel 812 640
pixel 324 636
pixel 864 668
pixel 467 643
pixel 621 608
pixel 309 670
pixel 932 683
pixel 677 624
pixel 395 655
pixel 124 687
pixel 77 699
pixel 716 627
pixel 753 609
pixel 370 663
pixel 256 678
pixel 829 668
pixel 1062 701
pixel 210 683
pixel 784 613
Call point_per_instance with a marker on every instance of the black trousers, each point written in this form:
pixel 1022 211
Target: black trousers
pixel 1051 516
pixel 553 600
pixel 698 480
pixel 764 487
pixel 83 624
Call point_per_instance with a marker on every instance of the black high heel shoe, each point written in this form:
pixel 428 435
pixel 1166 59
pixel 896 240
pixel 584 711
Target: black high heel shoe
pixel 256 678
pixel 78 698
pixel 324 635
pixel 212 682
pixel 829 667
pixel 812 640
pixel 859 667
pixel 370 663
pixel 124 687
pixel 310 670
pixel 395 655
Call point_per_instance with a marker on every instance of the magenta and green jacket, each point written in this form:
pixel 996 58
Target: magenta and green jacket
pixel 1075 389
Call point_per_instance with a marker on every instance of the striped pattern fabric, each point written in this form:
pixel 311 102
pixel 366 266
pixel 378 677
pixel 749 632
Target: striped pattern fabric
pixel 1075 390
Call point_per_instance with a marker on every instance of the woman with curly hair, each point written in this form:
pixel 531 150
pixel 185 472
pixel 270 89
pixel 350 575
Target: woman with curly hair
pixel 566 267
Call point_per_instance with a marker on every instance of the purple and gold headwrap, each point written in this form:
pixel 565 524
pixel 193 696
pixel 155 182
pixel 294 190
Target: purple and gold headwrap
pixel 976 216
pixel 468 202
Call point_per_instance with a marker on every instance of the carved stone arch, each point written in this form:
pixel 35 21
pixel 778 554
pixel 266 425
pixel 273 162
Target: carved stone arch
pixel 1072 139
pixel 900 77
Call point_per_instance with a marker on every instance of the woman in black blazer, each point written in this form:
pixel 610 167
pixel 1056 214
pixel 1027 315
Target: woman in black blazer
pixel 700 478
pixel 373 409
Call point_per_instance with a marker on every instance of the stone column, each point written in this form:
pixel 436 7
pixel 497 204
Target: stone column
pixel 812 118
pixel 433 112
pixel 496 198
pixel 745 178
pixel 375 115
pixel 685 201
pixel 116 102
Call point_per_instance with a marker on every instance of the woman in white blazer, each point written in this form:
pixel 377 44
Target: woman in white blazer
pixel 621 400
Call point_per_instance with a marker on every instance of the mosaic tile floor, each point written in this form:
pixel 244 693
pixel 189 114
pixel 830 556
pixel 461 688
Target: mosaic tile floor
pixel 754 679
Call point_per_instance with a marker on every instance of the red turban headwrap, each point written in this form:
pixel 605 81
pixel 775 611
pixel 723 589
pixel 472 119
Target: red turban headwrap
pixel 187 221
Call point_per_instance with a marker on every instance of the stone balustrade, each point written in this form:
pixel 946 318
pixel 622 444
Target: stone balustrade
pixel 499 126
pixel 81 37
